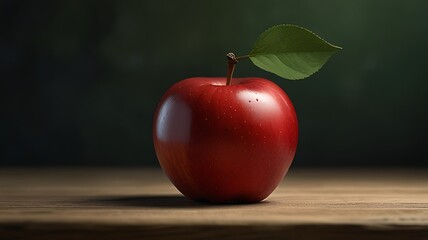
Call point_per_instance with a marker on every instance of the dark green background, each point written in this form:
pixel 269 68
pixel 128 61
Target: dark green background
pixel 80 80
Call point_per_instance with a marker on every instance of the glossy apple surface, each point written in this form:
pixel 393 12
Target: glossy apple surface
pixel 221 143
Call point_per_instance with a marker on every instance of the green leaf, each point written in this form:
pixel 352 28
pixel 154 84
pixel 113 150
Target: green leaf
pixel 291 52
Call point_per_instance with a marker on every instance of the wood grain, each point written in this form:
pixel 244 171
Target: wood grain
pixel 107 203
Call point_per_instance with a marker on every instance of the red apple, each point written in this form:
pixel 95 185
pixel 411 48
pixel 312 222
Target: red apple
pixel 221 142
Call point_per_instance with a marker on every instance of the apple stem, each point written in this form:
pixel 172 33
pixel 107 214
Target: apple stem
pixel 231 63
pixel 232 60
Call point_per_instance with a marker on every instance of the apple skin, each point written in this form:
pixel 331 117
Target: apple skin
pixel 223 144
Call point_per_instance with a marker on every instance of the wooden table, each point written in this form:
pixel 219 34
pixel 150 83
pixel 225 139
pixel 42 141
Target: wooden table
pixel 114 203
